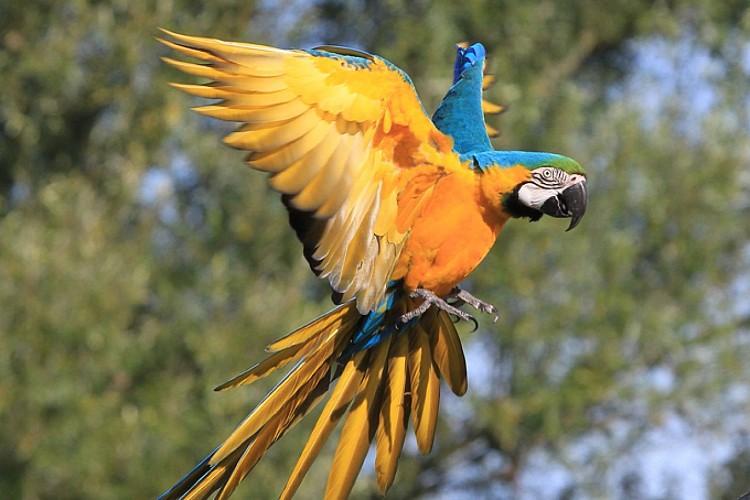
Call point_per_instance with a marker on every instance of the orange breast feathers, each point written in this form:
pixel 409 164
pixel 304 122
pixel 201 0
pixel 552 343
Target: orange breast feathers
pixel 457 225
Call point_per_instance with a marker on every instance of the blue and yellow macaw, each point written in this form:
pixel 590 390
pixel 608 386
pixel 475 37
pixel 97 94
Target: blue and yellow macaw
pixel 394 209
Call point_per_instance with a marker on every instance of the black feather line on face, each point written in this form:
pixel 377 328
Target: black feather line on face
pixel 515 208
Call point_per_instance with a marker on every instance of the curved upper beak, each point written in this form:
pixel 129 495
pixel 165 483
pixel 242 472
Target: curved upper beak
pixel 571 202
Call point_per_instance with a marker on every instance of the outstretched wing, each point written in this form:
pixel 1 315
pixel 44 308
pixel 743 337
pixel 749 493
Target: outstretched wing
pixel 344 139
pixel 488 108
pixel 462 111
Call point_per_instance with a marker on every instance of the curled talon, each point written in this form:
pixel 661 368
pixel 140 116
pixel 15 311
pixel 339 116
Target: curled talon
pixel 464 297
pixel 473 320
pixel 429 298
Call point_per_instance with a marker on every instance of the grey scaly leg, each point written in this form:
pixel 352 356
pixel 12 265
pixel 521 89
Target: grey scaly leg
pixel 464 297
pixel 429 299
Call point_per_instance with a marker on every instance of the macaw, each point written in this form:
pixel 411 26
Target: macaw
pixel 394 209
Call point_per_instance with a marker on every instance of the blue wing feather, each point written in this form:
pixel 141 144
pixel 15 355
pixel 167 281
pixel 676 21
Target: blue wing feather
pixel 460 113
pixel 466 58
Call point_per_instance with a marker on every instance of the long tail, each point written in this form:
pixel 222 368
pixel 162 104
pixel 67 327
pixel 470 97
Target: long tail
pixel 377 388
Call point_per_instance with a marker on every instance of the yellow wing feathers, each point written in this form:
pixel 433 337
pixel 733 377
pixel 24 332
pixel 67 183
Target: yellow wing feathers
pixel 335 134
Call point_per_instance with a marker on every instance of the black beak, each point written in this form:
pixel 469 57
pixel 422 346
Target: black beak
pixel 570 203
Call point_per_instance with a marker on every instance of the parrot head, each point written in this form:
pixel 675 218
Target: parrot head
pixel 557 188
pixel 554 192
pixel 556 185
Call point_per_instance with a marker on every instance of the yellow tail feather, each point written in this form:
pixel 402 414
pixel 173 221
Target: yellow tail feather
pixel 394 415
pixel 447 351
pixel 359 428
pixel 334 409
pixel 425 389
pixel 377 390
pixel 268 365
pixel 333 318
pixel 291 386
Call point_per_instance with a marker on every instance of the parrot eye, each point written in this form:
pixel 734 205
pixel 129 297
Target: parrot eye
pixel 546 176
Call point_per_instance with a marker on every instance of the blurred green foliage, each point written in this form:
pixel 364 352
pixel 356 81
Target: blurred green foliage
pixel 141 264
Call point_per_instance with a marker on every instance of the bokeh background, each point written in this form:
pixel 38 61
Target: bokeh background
pixel 141 263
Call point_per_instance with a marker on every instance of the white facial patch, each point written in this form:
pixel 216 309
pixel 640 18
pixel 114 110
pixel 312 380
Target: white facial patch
pixel 534 196
pixel 545 183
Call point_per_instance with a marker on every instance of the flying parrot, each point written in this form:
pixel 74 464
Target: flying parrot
pixel 394 209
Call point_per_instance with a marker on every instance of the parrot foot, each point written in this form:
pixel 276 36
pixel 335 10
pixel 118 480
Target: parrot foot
pixel 429 299
pixel 464 297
